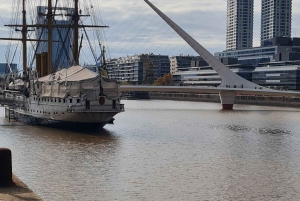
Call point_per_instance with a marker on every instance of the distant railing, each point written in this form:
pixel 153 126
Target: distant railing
pixel 95 108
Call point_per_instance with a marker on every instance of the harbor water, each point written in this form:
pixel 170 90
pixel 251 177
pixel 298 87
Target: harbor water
pixel 164 150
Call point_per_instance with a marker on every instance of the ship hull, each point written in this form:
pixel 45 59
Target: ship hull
pixel 81 121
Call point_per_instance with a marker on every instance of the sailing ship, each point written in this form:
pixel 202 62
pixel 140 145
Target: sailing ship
pixel 48 93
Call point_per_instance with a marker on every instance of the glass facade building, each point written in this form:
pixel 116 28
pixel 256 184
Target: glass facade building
pixel 62 51
pixel 4 69
pixel 206 76
pixel 278 75
pixel 254 56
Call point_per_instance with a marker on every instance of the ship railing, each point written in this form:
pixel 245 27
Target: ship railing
pixel 96 108
pixel 11 98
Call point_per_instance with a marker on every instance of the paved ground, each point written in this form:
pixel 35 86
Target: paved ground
pixel 17 192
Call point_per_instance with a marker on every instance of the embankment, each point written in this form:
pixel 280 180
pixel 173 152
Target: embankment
pixel 240 99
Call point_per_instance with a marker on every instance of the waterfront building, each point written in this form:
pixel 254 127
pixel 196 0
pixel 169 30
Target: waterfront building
pixel 275 49
pixel 206 76
pixel 180 61
pixel 199 62
pixel 138 69
pixel 239 24
pixel 276 19
pixel 283 75
pixel 278 75
pixel 62 50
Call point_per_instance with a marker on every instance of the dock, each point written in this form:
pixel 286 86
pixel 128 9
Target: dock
pixel 12 188
pixel 18 191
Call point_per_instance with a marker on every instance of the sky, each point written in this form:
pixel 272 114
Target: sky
pixel 134 28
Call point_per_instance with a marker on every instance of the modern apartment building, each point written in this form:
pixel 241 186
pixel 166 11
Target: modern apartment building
pixel 180 61
pixel 276 19
pixel 138 69
pixel 239 24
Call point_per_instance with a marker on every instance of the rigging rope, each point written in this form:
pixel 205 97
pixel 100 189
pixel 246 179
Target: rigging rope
pixel 89 42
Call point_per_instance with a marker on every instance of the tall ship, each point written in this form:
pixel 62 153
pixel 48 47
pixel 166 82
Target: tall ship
pixel 53 87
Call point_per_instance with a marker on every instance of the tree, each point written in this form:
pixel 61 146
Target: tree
pixel 166 80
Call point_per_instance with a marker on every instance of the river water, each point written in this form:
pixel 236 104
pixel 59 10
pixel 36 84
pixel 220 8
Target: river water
pixel 164 150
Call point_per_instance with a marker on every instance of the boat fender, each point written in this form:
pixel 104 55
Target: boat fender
pixel 101 100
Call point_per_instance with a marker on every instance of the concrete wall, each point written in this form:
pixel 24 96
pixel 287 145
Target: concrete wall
pixel 215 98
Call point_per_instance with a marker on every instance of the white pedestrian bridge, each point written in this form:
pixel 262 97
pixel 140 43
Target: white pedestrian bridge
pixel 227 95
pixel 231 85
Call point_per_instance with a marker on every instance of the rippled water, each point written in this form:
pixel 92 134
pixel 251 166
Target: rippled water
pixel 164 150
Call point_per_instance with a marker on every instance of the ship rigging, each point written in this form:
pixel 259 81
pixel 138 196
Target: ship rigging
pixel 55 93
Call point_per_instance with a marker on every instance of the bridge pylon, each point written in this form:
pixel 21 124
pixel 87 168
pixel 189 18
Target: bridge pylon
pixel 229 78
pixel 227 99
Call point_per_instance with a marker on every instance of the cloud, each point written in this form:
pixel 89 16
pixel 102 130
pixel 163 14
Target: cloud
pixel 195 18
pixel 136 28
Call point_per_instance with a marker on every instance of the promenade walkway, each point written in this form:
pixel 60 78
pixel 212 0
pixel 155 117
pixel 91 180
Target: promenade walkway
pixel 17 192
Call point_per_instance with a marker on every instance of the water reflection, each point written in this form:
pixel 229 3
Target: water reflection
pixel 164 150
pixel 242 128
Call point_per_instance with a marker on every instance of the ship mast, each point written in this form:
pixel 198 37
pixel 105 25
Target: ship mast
pixel 50 24
pixel 76 27
pixel 24 40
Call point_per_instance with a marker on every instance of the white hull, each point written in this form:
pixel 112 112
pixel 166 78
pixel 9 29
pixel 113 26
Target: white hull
pixel 69 110
pixel 76 117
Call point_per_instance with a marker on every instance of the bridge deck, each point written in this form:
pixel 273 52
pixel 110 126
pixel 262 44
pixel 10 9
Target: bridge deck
pixel 198 89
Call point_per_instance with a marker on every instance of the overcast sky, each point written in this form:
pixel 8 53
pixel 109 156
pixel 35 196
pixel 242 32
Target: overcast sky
pixel 135 28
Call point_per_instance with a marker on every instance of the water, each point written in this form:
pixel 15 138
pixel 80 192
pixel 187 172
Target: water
pixel 164 150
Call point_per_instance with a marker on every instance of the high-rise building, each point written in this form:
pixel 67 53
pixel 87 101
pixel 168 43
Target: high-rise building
pixel 239 24
pixel 63 37
pixel 276 19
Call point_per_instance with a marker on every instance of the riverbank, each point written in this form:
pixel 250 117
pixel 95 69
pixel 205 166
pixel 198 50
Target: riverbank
pixel 240 99
pixel 17 192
